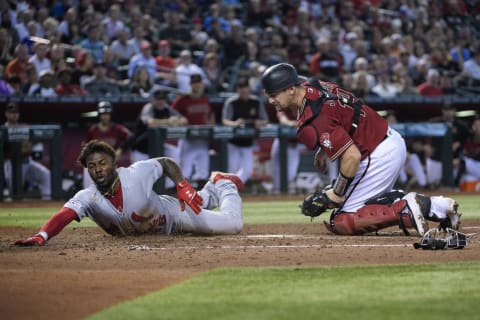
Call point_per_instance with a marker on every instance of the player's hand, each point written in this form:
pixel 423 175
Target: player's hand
pixel 335 200
pixel 187 194
pixel 36 240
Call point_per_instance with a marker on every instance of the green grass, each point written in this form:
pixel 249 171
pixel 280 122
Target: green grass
pixel 434 291
pixel 254 213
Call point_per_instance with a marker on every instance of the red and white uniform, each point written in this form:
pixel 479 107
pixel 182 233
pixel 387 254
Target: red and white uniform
pixel 135 208
pixel 194 153
pixel 382 149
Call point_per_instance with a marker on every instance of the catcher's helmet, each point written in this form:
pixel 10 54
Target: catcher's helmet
pixel 279 77
pixel 104 107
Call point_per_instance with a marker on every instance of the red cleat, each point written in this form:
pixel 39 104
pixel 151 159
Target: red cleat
pixel 217 175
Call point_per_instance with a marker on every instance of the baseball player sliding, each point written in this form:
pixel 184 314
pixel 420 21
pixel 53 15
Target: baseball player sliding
pixel 121 200
pixel 370 156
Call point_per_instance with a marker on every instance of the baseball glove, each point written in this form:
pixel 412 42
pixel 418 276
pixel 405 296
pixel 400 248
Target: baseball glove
pixel 317 203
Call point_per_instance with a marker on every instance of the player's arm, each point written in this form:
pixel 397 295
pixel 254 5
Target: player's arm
pixel 349 162
pixel 51 228
pixel 185 192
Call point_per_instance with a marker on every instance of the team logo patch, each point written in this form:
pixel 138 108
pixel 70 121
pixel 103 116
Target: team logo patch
pixel 75 203
pixel 325 141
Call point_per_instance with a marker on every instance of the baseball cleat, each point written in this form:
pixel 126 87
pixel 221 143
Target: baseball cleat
pixel 413 205
pixel 217 175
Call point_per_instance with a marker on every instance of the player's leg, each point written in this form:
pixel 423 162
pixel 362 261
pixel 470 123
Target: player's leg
pixel 293 163
pixel 202 161
pixel 275 158
pixel 40 174
pixel 247 163
pixel 376 174
pixel 234 161
pixel 217 192
pixel 417 170
pixel 171 151
pixel 186 154
pixel 371 218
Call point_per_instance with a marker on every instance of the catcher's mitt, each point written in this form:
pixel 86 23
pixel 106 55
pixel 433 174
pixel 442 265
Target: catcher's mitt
pixel 316 203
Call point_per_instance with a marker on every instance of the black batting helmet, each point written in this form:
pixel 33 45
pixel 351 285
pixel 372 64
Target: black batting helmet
pixel 104 107
pixel 279 77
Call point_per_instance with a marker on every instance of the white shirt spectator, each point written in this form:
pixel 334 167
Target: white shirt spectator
pixel 471 67
pixel 185 69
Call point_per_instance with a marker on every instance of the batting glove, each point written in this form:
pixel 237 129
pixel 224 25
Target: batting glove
pixel 187 194
pixel 36 240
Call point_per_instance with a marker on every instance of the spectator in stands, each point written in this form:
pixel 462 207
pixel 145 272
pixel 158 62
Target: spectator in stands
pixel 166 65
pixel 471 69
pixel 113 22
pixel 45 86
pixel 144 58
pixel 65 87
pixel 361 65
pixel 384 87
pixel 93 44
pixel 68 27
pixel 34 173
pixel 194 153
pixel 137 38
pixel 265 55
pixel 325 64
pixel 293 154
pixel 431 87
pixel 178 35
pixel 255 78
pixel 250 56
pixel 211 46
pixel 243 110
pixel 123 49
pixel 57 57
pixel 83 68
pixel 18 66
pixel 99 84
pixel 234 44
pixel 40 59
pixel 360 84
pixel 214 73
pixel 199 36
pixel 185 68
pixel 141 83
pixel 154 114
pixel 107 130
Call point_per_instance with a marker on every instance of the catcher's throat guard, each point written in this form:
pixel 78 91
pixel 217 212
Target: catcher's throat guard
pixel 438 239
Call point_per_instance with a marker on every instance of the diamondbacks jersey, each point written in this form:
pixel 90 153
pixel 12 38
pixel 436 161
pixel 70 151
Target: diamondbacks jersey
pixel 115 136
pixel 330 128
pixel 142 210
pixel 196 110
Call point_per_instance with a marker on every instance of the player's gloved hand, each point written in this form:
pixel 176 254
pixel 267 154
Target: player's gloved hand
pixel 36 240
pixel 187 194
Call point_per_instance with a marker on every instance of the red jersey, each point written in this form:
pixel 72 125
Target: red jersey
pixel 196 110
pixel 330 128
pixel 114 137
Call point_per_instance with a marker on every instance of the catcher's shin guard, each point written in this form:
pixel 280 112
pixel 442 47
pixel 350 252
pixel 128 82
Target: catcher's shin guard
pixel 370 218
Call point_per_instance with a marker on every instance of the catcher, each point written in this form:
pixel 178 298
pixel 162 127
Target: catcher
pixel 370 153
pixel 121 201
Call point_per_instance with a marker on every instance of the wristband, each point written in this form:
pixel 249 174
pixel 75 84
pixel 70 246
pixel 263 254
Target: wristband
pixel 341 184
pixel 43 234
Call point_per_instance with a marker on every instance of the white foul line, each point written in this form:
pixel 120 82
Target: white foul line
pixel 304 246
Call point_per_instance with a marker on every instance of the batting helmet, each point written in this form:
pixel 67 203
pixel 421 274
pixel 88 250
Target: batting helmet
pixel 279 77
pixel 104 107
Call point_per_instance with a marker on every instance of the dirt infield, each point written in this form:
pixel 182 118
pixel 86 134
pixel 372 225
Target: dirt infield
pixel 83 270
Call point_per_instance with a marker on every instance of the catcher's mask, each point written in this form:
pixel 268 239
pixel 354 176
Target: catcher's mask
pixel 435 239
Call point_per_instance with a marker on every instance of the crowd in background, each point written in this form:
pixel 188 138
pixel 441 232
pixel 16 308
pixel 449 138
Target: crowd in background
pixel 108 48
pixel 383 48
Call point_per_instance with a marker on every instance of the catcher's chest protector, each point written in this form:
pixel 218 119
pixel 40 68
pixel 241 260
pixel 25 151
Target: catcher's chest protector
pixel 369 218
